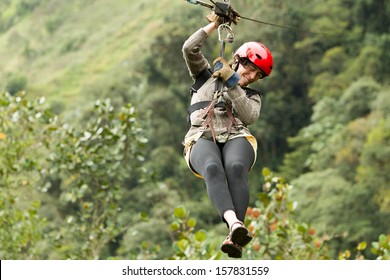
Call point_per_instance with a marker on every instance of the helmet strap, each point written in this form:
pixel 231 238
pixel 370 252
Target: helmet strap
pixel 236 63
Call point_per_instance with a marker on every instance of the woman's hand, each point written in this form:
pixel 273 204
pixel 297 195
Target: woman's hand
pixel 223 70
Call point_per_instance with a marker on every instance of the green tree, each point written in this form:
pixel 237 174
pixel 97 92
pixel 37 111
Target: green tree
pixel 63 186
pixel 278 232
pixel 15 84
pixel 93 164
pixel 22 224
pixel 373 171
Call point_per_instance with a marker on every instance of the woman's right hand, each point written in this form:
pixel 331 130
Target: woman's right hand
pixel 213 17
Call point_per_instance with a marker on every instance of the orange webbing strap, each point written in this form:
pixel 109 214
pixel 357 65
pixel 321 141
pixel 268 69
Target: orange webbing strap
pixel 209 115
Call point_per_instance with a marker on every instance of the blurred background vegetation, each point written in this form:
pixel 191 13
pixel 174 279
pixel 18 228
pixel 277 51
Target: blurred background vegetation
pixel 93 111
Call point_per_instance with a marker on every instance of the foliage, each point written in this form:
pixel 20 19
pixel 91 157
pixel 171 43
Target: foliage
pixel 380 248
pixel 329 202
pixel 277 232
pixel 277 235
pixel 21 223
pixel 15 84
pixel 85 172
pixel 92 164
pixel 190 244
pixel 339 176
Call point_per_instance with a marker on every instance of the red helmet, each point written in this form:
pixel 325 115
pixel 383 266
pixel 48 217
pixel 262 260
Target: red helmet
pixel 258 54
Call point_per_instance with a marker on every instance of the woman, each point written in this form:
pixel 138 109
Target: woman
pixel 218 146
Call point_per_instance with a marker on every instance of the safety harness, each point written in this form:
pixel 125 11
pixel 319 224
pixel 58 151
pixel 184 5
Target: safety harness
pixel 199 82
pixel 211 105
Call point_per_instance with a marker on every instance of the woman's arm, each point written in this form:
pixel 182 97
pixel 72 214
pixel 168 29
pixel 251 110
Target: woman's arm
pixel 195 60
pixel 209 28
pixel 246 108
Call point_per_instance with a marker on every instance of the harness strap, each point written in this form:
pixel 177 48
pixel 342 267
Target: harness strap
pixel 208 116
pixel 251 91
pixel 200 80
pixel 210 105
pixel 196 106
pixel 232 120
pixel 203 104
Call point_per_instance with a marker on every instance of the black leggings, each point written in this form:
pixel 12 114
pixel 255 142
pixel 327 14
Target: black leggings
pixel 224 168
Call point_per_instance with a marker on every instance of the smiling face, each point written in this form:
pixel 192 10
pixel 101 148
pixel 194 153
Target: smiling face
pixel 249 73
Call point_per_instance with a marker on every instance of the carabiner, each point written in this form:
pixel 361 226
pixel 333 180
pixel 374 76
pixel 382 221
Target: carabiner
pixel 229 36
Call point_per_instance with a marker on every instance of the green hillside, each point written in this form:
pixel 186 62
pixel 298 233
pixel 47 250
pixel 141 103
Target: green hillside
pixel 61 47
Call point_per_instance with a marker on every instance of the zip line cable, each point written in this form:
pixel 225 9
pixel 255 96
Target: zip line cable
pixel 212 7
pixel 196 2
pixel 269 23
pixel 284 26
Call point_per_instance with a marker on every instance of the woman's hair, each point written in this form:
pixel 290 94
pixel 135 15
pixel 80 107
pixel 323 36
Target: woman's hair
pixel 236 61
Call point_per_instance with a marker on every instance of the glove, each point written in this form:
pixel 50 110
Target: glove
pixel 213 17
pixel 223 70
pixel 234 16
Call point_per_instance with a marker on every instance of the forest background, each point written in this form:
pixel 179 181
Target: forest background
pixel 93 112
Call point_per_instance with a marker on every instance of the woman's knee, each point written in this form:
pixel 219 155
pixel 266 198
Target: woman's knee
pixel 235 169
pixel 213 169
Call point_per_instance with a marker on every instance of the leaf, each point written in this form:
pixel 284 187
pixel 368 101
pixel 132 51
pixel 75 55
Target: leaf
pixel 292 206
pixel 200 235
pixel 179 212
pixel 362 246
pixel 86 136
pixel 266 172
pixel 382 239
pixel 302 228
pixel 347 254
pixel 175 226
pixel 144 216
pixel 375 245
pixel 182 244
pixel 191 223
pixel 145 245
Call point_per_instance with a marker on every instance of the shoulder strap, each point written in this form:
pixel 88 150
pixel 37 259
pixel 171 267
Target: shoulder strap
pixel 251 91
pixel 200 80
